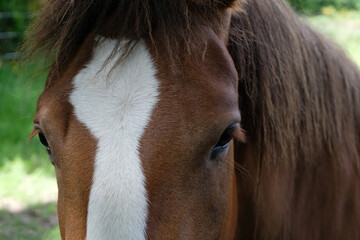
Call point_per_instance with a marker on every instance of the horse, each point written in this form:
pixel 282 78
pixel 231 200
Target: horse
pixel 197 119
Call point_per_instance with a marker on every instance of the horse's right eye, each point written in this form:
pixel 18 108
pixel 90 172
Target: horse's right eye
pixel 43 140
pixel 45 143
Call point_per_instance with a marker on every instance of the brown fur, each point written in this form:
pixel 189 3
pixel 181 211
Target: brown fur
pixel 299 97
pixel 72 146
pixel 189 197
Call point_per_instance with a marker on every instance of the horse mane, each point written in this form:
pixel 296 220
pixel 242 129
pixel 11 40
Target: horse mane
pixel 300 106
pixel 300 94
pixel 62 26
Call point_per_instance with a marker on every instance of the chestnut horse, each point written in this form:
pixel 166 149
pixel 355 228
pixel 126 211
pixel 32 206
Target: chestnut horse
pixel 141 118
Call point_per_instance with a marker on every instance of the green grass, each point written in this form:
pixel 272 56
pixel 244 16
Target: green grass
pixel 19 88
pixel 35 222
pixel 27 181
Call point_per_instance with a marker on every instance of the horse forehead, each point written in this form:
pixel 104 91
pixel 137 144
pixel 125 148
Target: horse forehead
pixel 207 76
pixel 214 75
pixel 115 91
pixel 115 103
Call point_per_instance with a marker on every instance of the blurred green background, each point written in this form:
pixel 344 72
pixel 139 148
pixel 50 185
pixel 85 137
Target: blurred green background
pixel 27 180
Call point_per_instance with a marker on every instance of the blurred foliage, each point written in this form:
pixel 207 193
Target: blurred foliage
pixel 318 6
pixel 20 86
pixel 19 5
pixel 14 19
pixel 343 27
pixel 27 179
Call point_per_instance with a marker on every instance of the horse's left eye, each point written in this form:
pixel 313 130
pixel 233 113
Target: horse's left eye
pixel 45 143
pixel 223 141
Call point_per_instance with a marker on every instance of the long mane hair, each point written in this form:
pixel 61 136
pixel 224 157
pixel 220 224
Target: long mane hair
pixel 299 94
pixel 300 105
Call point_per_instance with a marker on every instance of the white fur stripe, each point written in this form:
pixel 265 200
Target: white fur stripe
pixel 116 110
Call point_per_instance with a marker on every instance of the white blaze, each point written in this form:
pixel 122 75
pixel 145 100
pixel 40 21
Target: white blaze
pixel 116 108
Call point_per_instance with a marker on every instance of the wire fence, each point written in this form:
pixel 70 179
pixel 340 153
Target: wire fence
pixel 12 27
